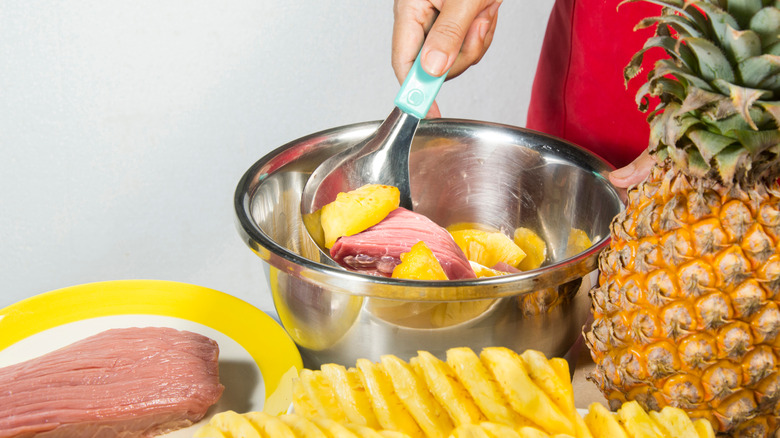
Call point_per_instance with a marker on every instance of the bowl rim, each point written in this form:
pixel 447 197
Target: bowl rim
pixel 256 239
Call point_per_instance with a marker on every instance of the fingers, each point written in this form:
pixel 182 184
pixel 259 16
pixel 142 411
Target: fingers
pixel 477 41
pixel 633 173
pixel 461 24
pixel 412 20
pixel 453 34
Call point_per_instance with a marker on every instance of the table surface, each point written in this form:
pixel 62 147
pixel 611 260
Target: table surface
pixel 585 391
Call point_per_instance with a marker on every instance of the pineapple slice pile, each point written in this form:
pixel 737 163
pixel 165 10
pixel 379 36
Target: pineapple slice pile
pixel 496 394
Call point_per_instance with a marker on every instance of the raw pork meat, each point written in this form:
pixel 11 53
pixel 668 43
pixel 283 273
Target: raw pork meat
pixel 377 250
pixel 129 382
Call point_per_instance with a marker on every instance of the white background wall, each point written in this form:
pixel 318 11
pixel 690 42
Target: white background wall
pixel 126 125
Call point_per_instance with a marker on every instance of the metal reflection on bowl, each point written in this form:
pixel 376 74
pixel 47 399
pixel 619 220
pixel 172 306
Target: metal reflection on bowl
pixel 461 171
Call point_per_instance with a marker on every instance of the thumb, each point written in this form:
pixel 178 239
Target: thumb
pixel 446 37
pixel 633 173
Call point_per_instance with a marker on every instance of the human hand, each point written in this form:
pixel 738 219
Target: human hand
pixel 453 34
pixel 633 173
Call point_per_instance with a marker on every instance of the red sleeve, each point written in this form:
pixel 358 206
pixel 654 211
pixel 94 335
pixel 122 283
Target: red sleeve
pixel 579 93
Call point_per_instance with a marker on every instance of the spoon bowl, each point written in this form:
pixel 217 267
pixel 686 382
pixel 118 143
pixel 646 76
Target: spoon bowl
pixel 382 158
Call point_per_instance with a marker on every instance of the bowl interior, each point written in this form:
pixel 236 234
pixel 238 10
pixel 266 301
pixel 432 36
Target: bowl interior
pixel 494 175
pixel 461 171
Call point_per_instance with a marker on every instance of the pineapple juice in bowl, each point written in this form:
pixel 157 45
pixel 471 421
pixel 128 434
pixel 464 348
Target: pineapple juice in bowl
pixel 461 172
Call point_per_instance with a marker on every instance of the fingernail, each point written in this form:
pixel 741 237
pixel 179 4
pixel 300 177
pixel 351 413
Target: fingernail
pixel 483 30
pixel 624 172
pixel 435 62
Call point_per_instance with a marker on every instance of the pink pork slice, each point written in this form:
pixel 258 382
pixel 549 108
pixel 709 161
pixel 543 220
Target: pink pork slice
pixel 128 382
pixel 377 250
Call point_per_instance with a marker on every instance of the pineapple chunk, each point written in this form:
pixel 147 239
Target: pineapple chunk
pixel 350 394
pixel 332 428
pixel 447 389
pixel 234 424
pixel 523 394
pixel 469 431
pixel 269 424
pixel 578 242
pixel 419 264
pixel 460 226
pixel 301 426
pixel 534 247
pixel 456 312
pixel 498 430
pixel 637 422
pixel 674 422
pixel 704 428
pixel 209 431
pixel 484 271
pixel 488 248
pixel 602 423
pixel 414 394
pixel 319 392
pixel 354 211
pixel 388 407
pixel 531 432
pixel 544 375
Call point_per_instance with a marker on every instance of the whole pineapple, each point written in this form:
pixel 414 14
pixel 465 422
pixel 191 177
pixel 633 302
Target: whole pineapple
pixel 687 311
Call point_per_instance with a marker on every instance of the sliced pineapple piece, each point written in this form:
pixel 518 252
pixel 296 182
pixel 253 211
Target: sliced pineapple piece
pixel 545 377
pixel 233 424
pixel 354 211
pixel 497 430
pixel 388 408
pixel 419 264
pixel 674 422
pixel 637 422
pixel 561 367
pixel 456 312
pixel 459 226
pixel 534 247
pixel 301 426
pixel 270 425
pixel 350 394
pixel 209 431
pixel 332 428
pixel 531 432
pixel 320 395
pixel 362 431
pixel 484 271
pixel 279 400
pixel 523 394
pixel 469 431
pixel 302 404
pixel 445 387
pixel 393 434
pixel 602 423
pixel 483 388
pixel 488 248
pixel 419 401
pixel 578 242
pixel 704 428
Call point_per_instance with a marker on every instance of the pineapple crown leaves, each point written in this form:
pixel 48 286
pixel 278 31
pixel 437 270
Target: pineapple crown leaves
pixel 719 90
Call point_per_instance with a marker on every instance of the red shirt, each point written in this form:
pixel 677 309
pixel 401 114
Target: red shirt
pixel 579 93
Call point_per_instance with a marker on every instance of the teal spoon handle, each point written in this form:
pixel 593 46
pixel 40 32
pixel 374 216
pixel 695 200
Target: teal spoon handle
pixel 418 91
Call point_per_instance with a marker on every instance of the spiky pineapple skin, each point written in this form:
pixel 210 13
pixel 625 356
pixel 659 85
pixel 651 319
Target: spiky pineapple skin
pixel 687 310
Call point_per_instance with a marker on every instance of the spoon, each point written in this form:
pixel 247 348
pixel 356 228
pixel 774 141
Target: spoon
pixel 382 158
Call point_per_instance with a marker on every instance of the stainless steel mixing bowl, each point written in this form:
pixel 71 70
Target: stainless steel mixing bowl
pixel 461 171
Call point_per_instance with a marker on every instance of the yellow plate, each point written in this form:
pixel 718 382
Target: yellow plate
pixel 257 357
